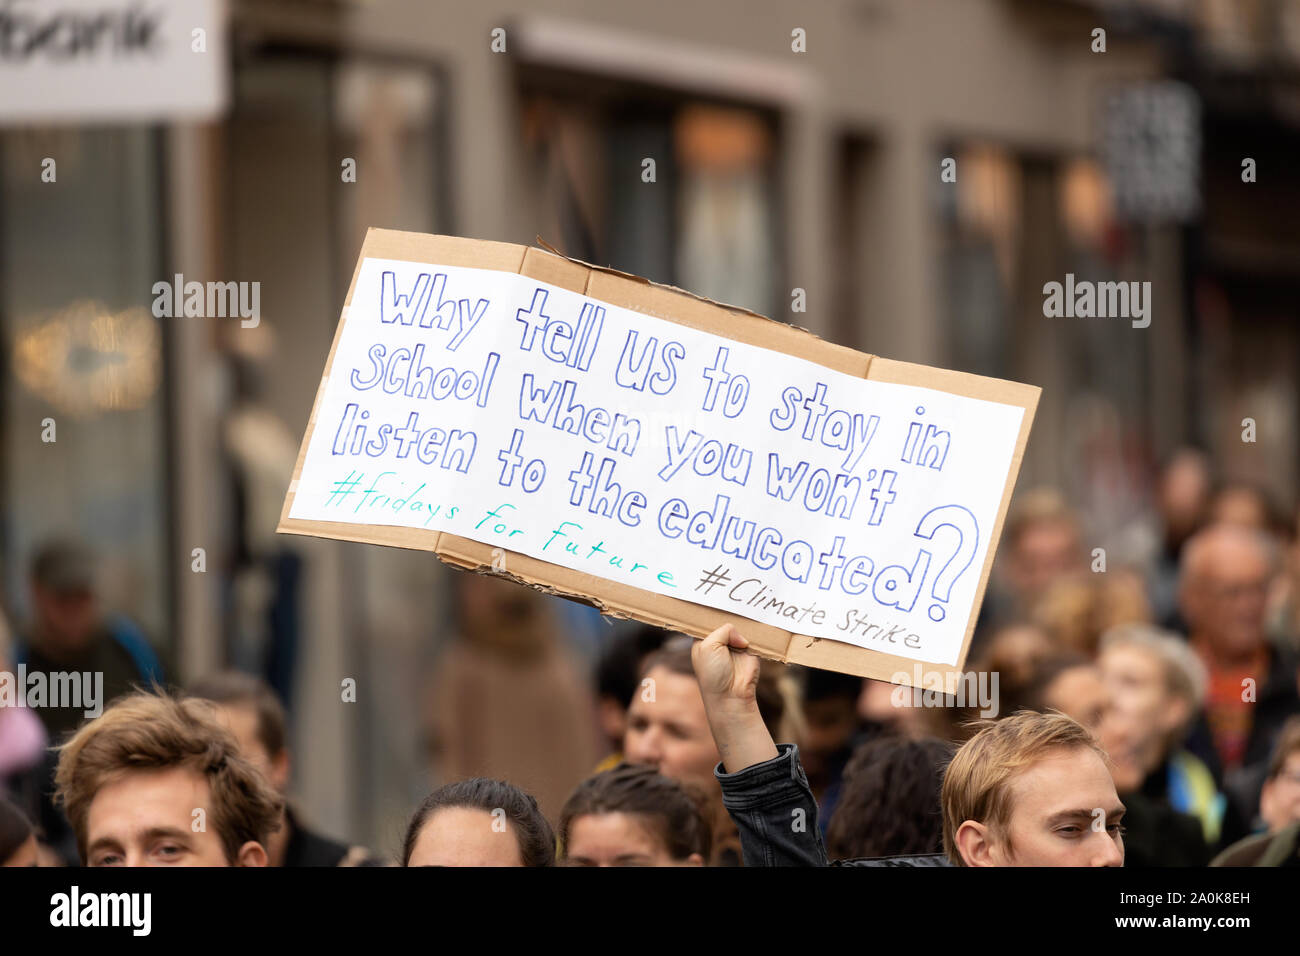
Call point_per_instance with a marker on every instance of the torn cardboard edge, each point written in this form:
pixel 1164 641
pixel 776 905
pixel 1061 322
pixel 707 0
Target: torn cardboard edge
pixel 683 308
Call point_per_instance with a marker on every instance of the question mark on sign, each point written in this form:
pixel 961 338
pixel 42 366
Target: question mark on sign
pixel 960 520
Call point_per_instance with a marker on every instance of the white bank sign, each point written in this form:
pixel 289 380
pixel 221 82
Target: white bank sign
pixel 111 60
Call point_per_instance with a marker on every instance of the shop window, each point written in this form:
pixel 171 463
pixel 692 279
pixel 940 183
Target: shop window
pixel 83 358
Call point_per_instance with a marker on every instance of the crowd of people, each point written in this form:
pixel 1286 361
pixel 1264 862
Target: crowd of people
pixel 1138 716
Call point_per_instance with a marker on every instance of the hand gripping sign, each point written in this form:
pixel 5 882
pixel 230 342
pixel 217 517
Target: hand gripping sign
pixel 660 456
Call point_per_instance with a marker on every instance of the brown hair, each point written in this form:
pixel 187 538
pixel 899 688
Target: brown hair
pixel 977 783
pixel 156 731
pixel 674 812
pixel 532 831
pixel 235 688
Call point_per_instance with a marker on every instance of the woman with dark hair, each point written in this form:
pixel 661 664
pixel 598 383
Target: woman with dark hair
pixel 17 838
pixel 479 822
pixel 633 816
pixel 889 805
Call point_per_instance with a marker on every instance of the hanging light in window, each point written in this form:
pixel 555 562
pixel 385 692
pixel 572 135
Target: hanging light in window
pixel 85 359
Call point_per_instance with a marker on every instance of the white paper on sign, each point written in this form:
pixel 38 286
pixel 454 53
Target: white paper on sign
pixel 496 407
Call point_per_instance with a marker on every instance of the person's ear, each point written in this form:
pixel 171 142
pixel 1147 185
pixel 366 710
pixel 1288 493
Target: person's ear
pixel 251 853
pixel 975 844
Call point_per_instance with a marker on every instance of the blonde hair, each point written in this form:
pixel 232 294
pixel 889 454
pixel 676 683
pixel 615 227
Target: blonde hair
pixel 1038 506
pixel 977 783
pixel 155 731
pixel 1076 610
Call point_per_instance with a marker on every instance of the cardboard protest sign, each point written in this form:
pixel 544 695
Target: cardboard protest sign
pixel 660 456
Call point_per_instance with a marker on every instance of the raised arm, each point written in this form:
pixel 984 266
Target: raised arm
pixel 728 682
pixel 764 787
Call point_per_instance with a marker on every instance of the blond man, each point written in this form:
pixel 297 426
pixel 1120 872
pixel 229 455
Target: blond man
pixel 157 781
pixel 1030 790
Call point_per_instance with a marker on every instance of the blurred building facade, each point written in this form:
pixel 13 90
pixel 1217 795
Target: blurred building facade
pixel 774 171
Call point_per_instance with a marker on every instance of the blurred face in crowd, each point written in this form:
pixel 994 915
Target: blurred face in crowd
pixel 1015 651
pixel 1225 590
pixel 27 854
pixel 146 818
pixel 829 725
pixel 1240 506
pixel 1183 497
pixel 466 836
pixel 1054 819
pixel 1127 742
pixel 65 620
pixel 241 721
pixel 1279 801
pixel 1043 552
pixel 668 729
pixel 1145 712
pixel 1079 693
pixel 619 839
pixel 892 706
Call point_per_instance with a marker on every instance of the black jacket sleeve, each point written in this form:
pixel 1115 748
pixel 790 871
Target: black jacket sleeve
pixel 774 810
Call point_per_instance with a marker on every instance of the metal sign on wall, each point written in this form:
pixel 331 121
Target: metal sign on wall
pixel 101 61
